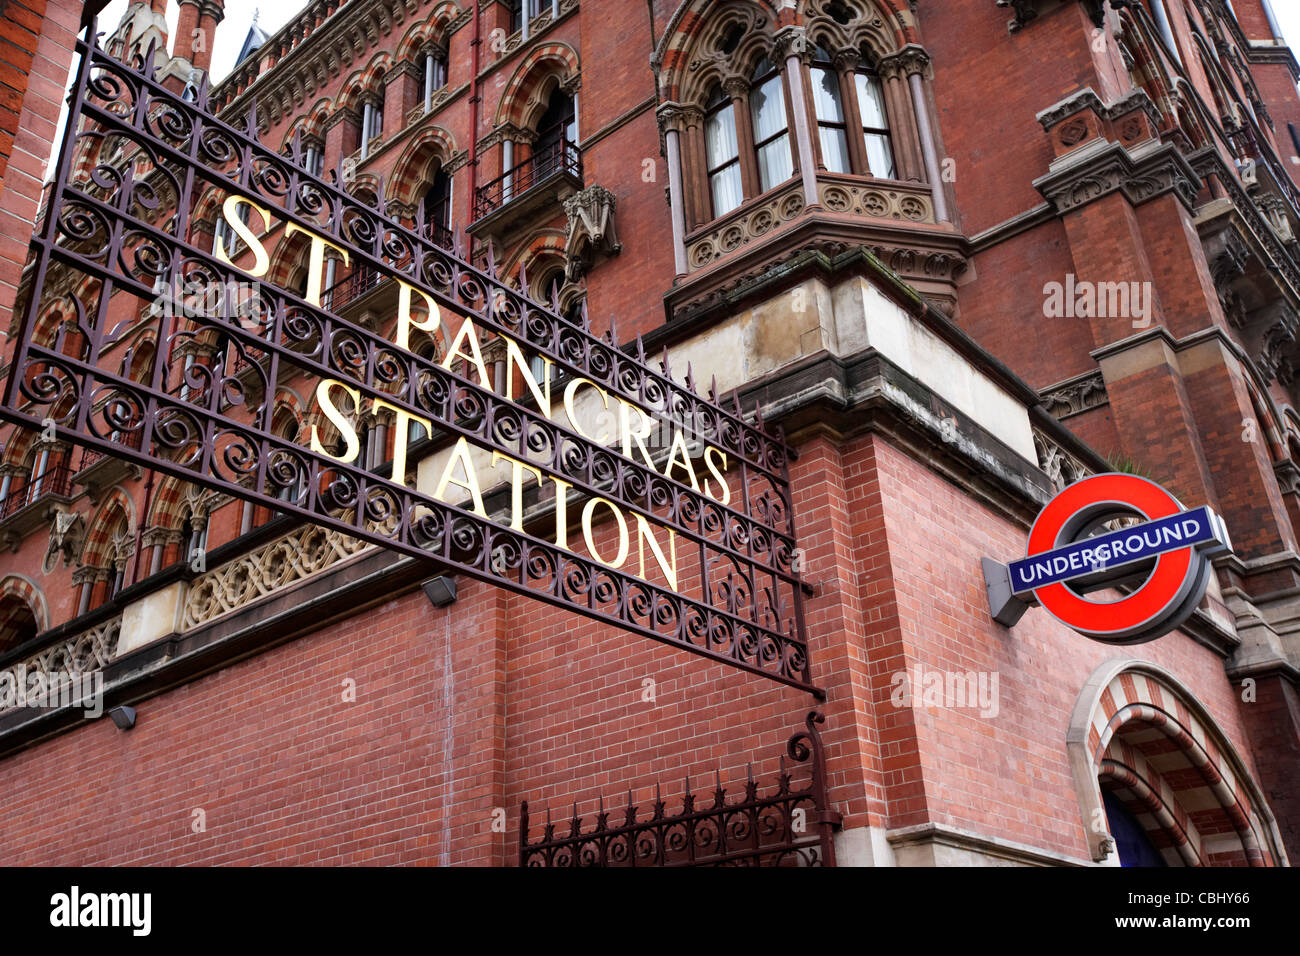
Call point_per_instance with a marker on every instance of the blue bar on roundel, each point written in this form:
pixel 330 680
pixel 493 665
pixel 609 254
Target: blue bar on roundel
pixel 1199 527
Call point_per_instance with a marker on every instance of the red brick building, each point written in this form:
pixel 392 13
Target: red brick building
pixel 964 254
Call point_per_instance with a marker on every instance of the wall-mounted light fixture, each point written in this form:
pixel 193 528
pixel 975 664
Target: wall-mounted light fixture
pixel 440 591
pixel 123 716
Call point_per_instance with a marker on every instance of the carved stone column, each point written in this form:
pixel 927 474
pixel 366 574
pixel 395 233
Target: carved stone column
pixel 792 46
pixel 671 120
pixel 916 64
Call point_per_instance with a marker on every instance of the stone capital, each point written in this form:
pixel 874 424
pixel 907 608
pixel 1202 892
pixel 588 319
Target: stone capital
pixel 675 116
pixel 911 59
pixel 791 41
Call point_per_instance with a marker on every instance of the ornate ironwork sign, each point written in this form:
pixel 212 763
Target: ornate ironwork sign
pixel 149 338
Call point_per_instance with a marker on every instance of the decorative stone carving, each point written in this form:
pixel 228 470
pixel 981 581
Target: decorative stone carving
pixel 256 575
pixel 1075 395
pixel 1113 169
pixel 82 653
pixel 1058 464
pixel 67 532
pixel 791 41
pixel 591 230
pixel 746 226
pixel 905 205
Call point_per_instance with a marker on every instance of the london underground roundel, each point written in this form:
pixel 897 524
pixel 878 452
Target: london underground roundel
pixel 1161 565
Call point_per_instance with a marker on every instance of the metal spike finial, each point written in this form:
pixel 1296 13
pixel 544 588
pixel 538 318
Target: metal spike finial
pixel 749 771
pixel 601 797
pixel 491 261
pixel 295 146
pixel 381 200
pixel 251 118
pixel 586 317
pixel 147 66
pixel 640 349
pixel 758 413
pixel 422 225
pixel 613 332
pixel 523 277
pixel 664 364
pixel 690 377
pixel 713 390
pixel 201 95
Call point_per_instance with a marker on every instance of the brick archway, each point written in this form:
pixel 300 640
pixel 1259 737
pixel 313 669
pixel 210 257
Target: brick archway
pixel 1138 732
pixel 525 94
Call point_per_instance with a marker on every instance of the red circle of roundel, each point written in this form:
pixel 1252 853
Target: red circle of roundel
pixel 1161 589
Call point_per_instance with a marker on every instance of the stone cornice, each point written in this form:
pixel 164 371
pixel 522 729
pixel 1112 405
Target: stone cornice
pixel 1089 174
pixel 307 67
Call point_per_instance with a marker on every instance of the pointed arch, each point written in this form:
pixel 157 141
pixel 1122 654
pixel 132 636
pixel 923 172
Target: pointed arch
pixel 19 587
pixel 1139 732
pixel 432 29
pixel 431 146
pixel 525 94
pixel 116 515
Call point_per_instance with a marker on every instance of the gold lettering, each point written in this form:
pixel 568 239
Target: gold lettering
pixel 517 469
pixel 587 511
pixel 638 435
pixel 316 261
pixel 713 469
pixel 685 463
pixel 468 334
pixel 460 455
pixel 402 337
pixel 402 435
pixel 351 445
pixel 571 411
pixel 644 534
pixel 515 358
pixel 561 512
pixel 230 210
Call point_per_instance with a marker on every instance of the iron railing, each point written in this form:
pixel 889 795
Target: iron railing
pixel 364 278
pixel 546 161
pixel 790 826
pixel 25 491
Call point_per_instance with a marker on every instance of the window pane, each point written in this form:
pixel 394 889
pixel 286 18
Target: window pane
pixel 880 155
pixel 774 163
pixel 720 137
pixel 826 95
pixel 727 193
pixel 767 104
pixel 871 102
pixel 835 149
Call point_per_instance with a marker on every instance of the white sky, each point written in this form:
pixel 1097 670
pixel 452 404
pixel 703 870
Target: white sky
pixel 273 14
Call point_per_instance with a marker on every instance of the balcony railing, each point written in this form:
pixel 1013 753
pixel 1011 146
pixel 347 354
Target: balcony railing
pixel 90 456
pixel 364 278
pixel 559 157
pixel 25 491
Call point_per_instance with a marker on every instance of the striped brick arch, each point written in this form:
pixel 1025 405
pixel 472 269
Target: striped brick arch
pixel 115 514
pixel 18 587
pixel 1138 733
pixel 433 28
pixel 415 167
pixel 526 92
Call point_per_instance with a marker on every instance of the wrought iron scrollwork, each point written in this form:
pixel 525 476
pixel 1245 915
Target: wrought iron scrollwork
pixel 136 162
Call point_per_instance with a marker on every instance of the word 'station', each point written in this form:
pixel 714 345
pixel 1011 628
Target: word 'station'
pixel 196 312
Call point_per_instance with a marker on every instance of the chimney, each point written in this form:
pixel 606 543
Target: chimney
pixel 196 29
